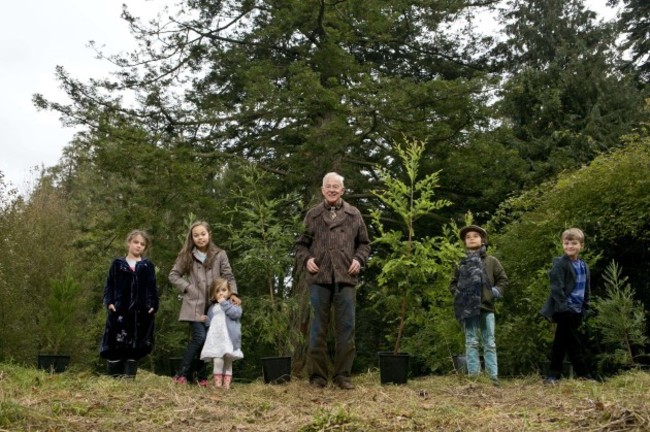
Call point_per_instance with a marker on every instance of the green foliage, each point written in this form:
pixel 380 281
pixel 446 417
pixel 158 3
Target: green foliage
pixel 408 260
pixel 634 21
pixel 620 320
pixel 336 419
pixel 565 99
pixel 262 229
pixel 523 336
pixel 63 321
pixel 299 90
pixel 271 323
pixel 603 199
pixel 36 238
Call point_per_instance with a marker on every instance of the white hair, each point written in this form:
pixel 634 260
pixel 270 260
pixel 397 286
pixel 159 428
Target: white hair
pixel 335 175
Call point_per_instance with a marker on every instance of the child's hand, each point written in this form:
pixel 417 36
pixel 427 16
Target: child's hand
pixel 203 318
pixel 235 300
pixel 111 307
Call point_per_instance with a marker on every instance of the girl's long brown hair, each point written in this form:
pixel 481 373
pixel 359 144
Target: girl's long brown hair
pixel 185 256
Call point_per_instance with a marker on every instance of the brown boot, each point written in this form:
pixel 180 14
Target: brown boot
pixel 226 381
pixel 218 380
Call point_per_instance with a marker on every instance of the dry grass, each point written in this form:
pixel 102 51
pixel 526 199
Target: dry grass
pixel 32 400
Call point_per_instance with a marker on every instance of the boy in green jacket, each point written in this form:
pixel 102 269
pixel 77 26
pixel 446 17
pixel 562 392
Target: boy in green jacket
pixel 479 280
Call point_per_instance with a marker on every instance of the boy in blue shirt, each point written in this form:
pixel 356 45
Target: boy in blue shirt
pixel 567 305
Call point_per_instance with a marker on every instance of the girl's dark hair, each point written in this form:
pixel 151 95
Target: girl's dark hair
pixel 185 257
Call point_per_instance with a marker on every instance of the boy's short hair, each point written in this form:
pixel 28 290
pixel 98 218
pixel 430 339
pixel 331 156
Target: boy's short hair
pixel 574 234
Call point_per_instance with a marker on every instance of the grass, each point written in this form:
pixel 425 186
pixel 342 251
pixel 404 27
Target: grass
pixel 32 400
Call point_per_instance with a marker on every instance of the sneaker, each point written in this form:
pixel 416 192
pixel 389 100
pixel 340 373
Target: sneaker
pixel 318 382
pixel 495 381
pixel 179 379
pixel 203 382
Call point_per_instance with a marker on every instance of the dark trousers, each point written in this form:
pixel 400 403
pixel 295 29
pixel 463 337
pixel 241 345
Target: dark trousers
pixel 568 340
pixel 343 300
pixel 194 348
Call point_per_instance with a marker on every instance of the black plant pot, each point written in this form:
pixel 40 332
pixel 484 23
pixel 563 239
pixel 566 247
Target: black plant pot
pixel 393 368
pixel 460 363
pixel 276 370
pixel 567 369
pixel 53 363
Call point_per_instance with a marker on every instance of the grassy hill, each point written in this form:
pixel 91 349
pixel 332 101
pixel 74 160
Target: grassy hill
pixel 32 400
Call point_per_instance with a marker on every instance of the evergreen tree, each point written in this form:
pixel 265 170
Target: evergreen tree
pixel 635 24
pixel 565 98
pixel 300 88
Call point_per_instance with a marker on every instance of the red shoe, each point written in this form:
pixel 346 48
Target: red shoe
pixel 203 383
pixel 180 379
pixel 218 380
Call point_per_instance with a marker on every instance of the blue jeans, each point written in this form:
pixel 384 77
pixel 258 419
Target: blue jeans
pixel 343 298
pixel 199 331
pixel 485 321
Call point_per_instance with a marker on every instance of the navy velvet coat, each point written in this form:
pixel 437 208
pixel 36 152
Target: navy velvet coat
pixel 129 331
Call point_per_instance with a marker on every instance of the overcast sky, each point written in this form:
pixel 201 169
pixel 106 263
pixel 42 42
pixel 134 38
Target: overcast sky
pixel 35 37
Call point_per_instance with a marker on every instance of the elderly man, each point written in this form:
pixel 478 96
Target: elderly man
pixel 334 248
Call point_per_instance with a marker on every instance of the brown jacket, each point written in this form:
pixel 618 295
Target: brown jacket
pixel 195 286
pixel 333 243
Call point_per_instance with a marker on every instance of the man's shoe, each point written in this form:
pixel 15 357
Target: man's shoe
pixel 318 382
pixel 344 383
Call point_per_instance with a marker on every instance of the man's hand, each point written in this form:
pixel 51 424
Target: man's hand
pixel 311 266
pixel 355 268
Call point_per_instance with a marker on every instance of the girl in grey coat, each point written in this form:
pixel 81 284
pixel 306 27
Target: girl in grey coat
pixel 199 263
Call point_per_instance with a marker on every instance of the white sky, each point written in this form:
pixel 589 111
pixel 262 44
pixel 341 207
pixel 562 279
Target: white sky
pixel 35 37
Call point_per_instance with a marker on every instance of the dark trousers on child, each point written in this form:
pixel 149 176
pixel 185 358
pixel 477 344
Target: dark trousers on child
pixel 568 341
pixel 194 347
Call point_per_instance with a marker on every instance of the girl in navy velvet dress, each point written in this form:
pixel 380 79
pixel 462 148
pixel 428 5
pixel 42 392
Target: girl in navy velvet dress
pixel 131 301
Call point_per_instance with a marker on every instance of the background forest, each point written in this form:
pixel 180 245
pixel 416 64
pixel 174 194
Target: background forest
pixel 232 111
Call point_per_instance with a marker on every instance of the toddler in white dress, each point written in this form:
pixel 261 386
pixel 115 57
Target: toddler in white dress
pixel 223 341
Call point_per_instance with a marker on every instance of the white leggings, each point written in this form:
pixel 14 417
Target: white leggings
pixel 223 366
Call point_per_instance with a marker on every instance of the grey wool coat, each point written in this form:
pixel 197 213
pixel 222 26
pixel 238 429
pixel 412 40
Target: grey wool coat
pixel 333 243
pixel 195 286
